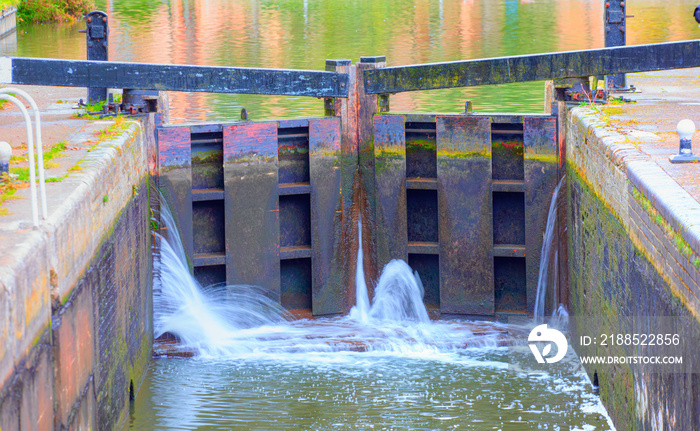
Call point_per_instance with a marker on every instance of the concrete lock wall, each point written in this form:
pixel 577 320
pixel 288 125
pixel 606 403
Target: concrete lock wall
pixel 76 330
pixel 633 251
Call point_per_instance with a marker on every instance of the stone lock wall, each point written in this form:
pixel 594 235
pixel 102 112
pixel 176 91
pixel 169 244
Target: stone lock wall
pixel 75 302
pixel 633 251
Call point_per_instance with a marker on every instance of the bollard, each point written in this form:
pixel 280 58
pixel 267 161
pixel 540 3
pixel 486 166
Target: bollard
pixel 97 33
pixel 468 108
pixel 5 154
pixel 685 130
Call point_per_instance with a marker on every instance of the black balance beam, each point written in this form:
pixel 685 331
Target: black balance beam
pixel 171 77
pixel 537 67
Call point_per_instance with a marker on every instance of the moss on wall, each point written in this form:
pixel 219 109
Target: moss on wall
pixel 612 280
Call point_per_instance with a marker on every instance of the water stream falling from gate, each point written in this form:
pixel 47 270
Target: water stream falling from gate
pixel 546 258
pixel 233 321
pixel 225 321
pixel 360 311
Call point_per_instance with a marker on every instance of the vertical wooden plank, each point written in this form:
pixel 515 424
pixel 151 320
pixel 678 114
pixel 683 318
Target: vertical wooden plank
pixel 326 216
pixel 346 109
pixel 251 206
pixel 465 224
pixel 175 179
pixel 390 180
pixel 540 142
pixel 365 111
pixel 562 237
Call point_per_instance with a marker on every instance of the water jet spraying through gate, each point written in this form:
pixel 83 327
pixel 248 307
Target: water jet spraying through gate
pixel 398 296
pixel 226 322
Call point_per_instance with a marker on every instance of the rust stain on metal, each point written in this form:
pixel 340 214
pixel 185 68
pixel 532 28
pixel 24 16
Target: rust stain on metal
pixel 390 192
pixel 251 205
pixel 465 224
pixel 328 266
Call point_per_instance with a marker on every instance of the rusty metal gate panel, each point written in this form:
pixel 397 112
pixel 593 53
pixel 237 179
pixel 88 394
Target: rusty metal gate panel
pixel 464 199
pixel 540 152
pixel 175 179
pixel 326 216
pixel 466 227
pixel 251 205
pixel 390 174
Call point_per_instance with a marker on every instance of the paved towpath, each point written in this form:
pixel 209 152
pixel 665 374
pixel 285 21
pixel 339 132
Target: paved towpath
pixel 664 98
pixel 58 125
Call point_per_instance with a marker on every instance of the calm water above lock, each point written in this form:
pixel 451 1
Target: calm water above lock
pixel 299 385
pixel 302 34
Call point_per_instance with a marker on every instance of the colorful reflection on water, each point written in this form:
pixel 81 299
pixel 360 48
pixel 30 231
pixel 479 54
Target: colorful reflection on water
pixel 302 34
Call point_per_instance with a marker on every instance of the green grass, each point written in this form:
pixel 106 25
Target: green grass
pixel 50 154
pixel 8 187
pixel 96 108
pixel 55 151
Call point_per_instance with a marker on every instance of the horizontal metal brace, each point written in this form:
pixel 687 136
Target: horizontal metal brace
pixel 171 77
pixel 537 67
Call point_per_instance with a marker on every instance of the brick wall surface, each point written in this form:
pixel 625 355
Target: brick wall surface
pixel 632 252
pixel 75 297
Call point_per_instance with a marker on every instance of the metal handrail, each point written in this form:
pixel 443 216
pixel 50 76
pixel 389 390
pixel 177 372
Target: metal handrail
pixel 30 148
pixel 39 143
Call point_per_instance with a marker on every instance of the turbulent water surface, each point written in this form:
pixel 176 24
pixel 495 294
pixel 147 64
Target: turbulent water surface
pixel 384 366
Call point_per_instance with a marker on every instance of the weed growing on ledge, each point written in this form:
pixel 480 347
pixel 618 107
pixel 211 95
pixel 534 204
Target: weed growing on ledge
pixel 8 186
pixel 55 151
pixel 88 111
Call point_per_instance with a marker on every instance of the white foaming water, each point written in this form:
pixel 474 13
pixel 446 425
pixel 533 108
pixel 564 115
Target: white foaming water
pixel 398 296
pixel 545 254
pixel 393 343
pixel 226 322
pixel 204 320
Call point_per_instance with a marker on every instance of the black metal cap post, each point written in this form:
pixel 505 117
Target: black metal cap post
pixel 615 35
pixel 373 59
pixel 332 64
pixel 97 33
pixel 5 155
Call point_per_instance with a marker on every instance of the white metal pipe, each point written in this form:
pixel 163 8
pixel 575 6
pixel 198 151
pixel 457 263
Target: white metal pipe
pixel 30 146
pixel 39 144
